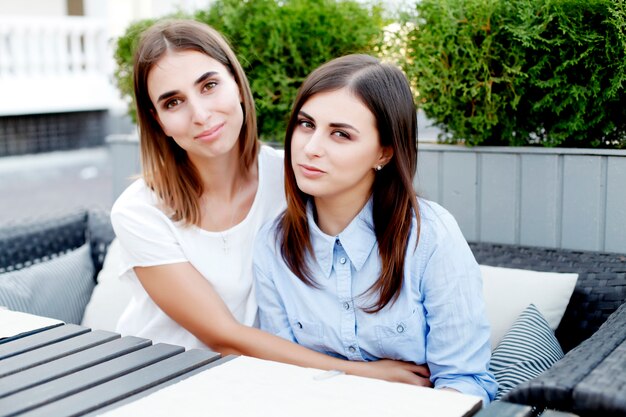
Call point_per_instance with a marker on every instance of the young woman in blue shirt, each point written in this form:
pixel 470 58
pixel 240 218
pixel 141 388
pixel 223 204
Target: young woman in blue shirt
pixel 358 266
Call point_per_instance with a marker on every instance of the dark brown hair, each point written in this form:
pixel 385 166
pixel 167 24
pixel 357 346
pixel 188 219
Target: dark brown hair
pixel 385 91
pixel 166 167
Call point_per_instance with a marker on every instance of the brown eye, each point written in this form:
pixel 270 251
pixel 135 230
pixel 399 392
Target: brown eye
pixel 170 104
pixel 209 85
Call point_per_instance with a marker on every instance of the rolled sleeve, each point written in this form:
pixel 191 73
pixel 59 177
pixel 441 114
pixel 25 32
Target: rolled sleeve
pixel 470 386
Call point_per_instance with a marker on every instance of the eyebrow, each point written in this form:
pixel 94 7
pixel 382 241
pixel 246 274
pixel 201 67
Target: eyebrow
pixel 200 80
pixel 340 125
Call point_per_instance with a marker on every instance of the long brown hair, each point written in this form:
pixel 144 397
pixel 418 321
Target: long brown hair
pixel 166 168
pixel 385 91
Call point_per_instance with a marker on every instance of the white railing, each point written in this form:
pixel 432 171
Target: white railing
pixel 50 65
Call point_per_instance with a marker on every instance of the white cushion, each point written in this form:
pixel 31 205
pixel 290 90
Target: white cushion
pixel 111 295
pixel 509 291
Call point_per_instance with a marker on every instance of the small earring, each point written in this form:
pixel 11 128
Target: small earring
pixel 378 167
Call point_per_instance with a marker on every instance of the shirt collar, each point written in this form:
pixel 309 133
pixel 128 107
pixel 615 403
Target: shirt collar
pixel 357 239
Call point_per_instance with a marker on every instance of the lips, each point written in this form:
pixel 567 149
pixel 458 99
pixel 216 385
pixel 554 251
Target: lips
pixel 310 171
pixel 210 134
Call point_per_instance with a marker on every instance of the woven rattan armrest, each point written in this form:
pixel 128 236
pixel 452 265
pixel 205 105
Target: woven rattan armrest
pixel 590 380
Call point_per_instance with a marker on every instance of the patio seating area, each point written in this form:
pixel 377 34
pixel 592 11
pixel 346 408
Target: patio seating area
pixel 523 100
pixel 588 381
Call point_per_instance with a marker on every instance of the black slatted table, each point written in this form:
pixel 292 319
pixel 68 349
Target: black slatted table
pixel 69 370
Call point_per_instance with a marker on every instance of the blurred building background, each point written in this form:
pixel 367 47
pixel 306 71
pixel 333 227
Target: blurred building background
pixel 56 70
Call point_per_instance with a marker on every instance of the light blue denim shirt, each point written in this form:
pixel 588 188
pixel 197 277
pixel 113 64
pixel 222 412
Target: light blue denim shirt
pixel 438 319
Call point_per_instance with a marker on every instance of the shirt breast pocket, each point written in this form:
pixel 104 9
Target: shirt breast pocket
pixel 309 334
pixel 402 339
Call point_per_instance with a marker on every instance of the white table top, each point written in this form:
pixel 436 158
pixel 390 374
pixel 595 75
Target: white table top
pixel 248 386
pixel 14 323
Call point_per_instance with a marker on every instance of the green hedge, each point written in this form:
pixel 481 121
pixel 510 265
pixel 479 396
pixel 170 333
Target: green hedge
pixel 278 44
pixel 521 72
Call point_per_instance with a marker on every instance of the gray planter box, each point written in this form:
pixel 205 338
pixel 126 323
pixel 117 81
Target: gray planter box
pixel 560 198
pixel 125 160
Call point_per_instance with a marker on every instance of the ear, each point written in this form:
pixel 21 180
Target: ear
pixel 385 156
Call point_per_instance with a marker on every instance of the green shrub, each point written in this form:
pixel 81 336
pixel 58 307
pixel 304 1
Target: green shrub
pixel 521 72
pixel 278 44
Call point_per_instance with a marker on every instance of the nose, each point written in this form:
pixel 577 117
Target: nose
pixel 200 111
pixel 314 146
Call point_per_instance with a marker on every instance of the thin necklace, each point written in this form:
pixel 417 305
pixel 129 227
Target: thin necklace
pixel 224 234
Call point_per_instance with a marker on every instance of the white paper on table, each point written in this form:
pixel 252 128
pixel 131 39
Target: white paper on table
pixel 253 387
pixel 14 323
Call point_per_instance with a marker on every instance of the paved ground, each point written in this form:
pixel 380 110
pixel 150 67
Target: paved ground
pixel 56 182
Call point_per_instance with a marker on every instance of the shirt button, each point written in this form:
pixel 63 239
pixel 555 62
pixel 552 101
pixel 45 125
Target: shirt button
pixel 299 325
pixel 352 349
pixel 346 305
pixel 400 328
pixel 342 261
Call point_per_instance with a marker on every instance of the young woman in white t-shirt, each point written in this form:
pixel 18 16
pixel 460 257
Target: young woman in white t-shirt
pixel 187 227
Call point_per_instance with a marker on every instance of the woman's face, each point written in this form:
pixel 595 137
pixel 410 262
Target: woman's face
pixel 197 103
pixel 335 147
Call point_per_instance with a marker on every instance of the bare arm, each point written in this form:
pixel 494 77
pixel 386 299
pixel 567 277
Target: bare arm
pixel 184 295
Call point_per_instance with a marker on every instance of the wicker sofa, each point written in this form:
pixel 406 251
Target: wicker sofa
pixel 49 246
pixel 590 380
pixel 24 244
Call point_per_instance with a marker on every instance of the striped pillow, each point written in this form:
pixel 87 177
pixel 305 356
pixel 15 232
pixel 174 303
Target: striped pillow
pixel 526 350
pixel 59 288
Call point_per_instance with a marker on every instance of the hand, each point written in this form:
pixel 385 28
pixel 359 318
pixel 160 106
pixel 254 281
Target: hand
pixel 395 371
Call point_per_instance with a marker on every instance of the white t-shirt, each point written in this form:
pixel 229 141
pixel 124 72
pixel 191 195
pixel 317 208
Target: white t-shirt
pixel 148 238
